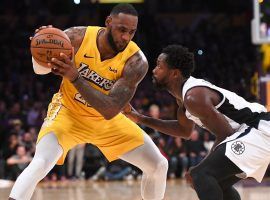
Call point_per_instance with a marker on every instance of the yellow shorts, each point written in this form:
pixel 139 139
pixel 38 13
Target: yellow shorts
pixel 113 137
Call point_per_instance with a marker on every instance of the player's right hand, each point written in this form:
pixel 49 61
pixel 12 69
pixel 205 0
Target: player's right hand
pixel 131 113
pixel 40 28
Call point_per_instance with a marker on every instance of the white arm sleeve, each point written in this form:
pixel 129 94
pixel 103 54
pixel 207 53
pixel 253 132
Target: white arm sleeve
pixel 39 69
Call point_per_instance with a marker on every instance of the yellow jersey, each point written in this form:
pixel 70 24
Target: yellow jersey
pixel 100 75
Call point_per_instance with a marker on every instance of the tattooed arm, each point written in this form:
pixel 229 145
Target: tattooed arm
pixel 122 91
pixel 76 35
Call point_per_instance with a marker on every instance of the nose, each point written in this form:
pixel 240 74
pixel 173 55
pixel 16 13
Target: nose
pixel 126 37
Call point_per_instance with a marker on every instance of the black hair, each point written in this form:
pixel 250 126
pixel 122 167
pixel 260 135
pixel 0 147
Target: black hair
pixel 124 8
pixel 181 58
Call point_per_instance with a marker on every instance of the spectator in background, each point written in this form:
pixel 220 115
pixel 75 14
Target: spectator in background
pixel 33 115
pixel 195 149
pixel 178 160
pixel 18 162
pixel 15 113
pixel 154 111
pixel 29 142
pixel 11 146
pixel 58 172
pixel 33 131
pixel 208 142
pixel 118 170
pixel 16 127
pixel 3 121
pixel 76 154
pixel 95 162
pixel 161 144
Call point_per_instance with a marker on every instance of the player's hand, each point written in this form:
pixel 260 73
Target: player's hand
pixel 65 67
pixel 40 28
pixel 131 113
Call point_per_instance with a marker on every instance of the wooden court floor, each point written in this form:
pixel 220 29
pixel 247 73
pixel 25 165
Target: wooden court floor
pixel 127 190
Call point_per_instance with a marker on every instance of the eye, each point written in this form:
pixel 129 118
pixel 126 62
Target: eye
pixel 122 29
pixel 131 32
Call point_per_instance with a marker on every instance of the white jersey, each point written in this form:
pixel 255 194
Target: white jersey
pixel 248 147
pixel 235 109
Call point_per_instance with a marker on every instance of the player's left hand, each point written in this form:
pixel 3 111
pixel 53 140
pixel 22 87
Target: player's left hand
pixel 64 67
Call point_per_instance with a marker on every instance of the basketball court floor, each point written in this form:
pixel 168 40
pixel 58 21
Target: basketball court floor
pixel 177 189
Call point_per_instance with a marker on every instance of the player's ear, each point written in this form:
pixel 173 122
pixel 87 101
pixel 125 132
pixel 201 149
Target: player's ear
pixel 176 73
pixel 108 21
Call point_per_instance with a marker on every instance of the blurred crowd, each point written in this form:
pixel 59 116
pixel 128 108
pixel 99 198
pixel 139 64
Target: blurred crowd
pixel 218 36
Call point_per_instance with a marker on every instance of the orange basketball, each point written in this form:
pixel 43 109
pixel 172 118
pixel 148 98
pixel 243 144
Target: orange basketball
pixel 48 43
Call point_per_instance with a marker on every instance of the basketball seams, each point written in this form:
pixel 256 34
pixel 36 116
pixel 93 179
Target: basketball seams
pixel 49 48
pixel 52 34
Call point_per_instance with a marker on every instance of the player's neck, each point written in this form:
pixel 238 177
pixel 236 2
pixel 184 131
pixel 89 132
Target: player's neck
pixel 175 88
pixel 104 48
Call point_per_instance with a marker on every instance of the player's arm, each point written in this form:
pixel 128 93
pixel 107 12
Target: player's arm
pixel 121 93
pixel 201 102
pixel 76 35
pixel 181 127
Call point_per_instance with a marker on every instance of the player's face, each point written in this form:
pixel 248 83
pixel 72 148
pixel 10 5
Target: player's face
pixel 121 30
pixel 161 73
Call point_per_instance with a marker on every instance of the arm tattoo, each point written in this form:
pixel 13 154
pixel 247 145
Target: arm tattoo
pixel 76 35
pixel 121 93
pixel 135 70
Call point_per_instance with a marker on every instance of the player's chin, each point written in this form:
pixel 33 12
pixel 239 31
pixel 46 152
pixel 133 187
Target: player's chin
pixel 121 48
pixel 157 85
pixel 154 81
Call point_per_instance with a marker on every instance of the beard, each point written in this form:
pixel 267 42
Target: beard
pixel 113 44
pixel 158 85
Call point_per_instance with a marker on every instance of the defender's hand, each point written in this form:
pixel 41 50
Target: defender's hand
pixel 65 67
pixel 131 113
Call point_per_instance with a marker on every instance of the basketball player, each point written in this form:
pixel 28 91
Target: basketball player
pixel 242 129
pixel 107 68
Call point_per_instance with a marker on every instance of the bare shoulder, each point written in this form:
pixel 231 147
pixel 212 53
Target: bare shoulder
pixel 136 67
pixel 201 96
pixel 200 100
pixel 76 35
pixel 193 96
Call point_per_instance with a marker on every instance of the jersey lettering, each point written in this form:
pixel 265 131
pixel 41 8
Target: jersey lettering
pixel 78 97
pixel 95 78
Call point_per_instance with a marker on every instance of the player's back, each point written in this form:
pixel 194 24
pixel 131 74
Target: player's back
pixel 100 74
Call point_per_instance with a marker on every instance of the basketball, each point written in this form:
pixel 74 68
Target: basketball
pixel 48 43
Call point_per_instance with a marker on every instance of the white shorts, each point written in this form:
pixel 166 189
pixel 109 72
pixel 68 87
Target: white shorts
pixel 249 149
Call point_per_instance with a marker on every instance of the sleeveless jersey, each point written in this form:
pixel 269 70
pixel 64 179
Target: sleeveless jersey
pixel 235 109
pixel 100 75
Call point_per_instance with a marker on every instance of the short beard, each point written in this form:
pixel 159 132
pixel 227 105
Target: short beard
pixel 111 42
pixel 158 86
